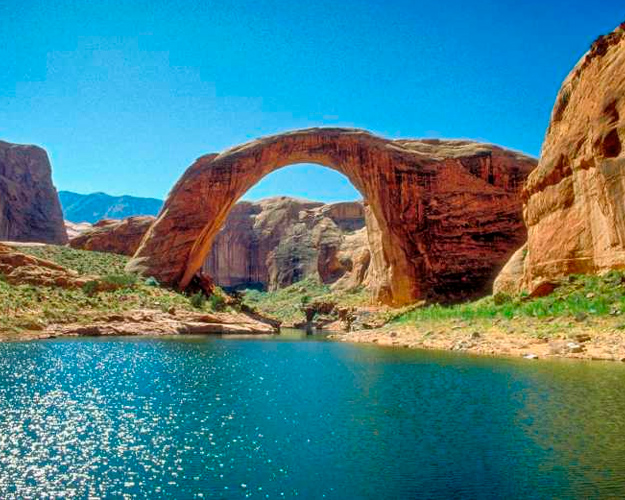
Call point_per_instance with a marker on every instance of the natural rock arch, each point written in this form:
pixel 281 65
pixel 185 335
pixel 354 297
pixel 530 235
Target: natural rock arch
pixel 444 215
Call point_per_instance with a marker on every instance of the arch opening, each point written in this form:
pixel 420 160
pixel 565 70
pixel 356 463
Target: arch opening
pixel 428 200
pixel 302 221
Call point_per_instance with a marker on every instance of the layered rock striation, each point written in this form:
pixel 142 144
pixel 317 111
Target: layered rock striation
pixel 29 204
pixel 574 201
pixel 447 213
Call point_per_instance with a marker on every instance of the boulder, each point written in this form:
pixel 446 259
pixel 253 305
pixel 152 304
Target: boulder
pixel 509 280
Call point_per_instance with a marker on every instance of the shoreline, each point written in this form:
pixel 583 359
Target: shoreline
pixel 596 339
pixel 144 322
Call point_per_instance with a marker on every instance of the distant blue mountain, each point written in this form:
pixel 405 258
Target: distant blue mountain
pixel 96 206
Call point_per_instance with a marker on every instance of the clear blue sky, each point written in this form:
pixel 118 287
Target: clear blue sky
pixel 124 95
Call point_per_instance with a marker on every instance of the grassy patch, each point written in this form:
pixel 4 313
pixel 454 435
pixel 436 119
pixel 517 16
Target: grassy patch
pixel 579 296
pixel 82 261
pixel 28 307
pixel 20 304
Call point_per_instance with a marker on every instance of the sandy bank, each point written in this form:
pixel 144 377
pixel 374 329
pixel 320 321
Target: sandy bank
pixel 590 339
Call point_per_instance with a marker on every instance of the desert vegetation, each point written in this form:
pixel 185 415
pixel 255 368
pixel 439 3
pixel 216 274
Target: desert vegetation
pixel 288 304
pixel 32 307
pixel 577 296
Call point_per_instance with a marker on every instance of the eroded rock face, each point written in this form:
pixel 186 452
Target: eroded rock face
pixel 275 242
pixel 29 204
pixel 114 236
pixel 448 213
pixel 574 201
pixel 511 275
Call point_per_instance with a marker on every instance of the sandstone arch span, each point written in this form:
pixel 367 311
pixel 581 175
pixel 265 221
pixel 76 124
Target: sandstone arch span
pixel 444 215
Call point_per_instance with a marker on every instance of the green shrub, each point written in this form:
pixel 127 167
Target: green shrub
pixel 19 303
pixel 501 298
pixel 578 295
pixel 85 262
pixel 197 300
pixel 217 302
pixel 120 280
pixel 91 287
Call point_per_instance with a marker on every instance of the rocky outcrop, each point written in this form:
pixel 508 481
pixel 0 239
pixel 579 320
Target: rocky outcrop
pixel 574 207
pixel 151 322
pixel 275 242
pixel 448 213
pixel 511 275
pixel 20 269
pixel 29 204
pixel 114 236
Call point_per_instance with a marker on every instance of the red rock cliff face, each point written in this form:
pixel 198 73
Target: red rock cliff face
pixel 275 242
pixel 448 212
pixel 574 201
pixel 29 204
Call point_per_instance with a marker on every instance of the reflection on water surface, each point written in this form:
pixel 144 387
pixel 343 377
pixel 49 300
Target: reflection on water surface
pixel 197 417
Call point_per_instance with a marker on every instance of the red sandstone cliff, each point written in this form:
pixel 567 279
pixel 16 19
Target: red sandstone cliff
pixel 114 236
pixel 574 201
pixel 29 204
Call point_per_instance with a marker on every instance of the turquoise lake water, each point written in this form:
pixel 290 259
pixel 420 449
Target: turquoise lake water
pixel 209 417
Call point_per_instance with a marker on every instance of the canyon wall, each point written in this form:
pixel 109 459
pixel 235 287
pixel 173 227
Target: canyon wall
pixel 574 202
pixel 29 204
pixel 275 242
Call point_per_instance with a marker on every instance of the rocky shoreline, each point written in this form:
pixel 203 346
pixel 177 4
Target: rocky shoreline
pixel 597 339
pixel 601 339
pixel 147 322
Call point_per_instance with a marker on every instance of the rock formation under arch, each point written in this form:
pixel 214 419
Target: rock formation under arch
pixel 444 215
pixel 275 242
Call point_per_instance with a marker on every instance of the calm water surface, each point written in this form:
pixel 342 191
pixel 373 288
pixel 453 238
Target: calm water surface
pixel 270 418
